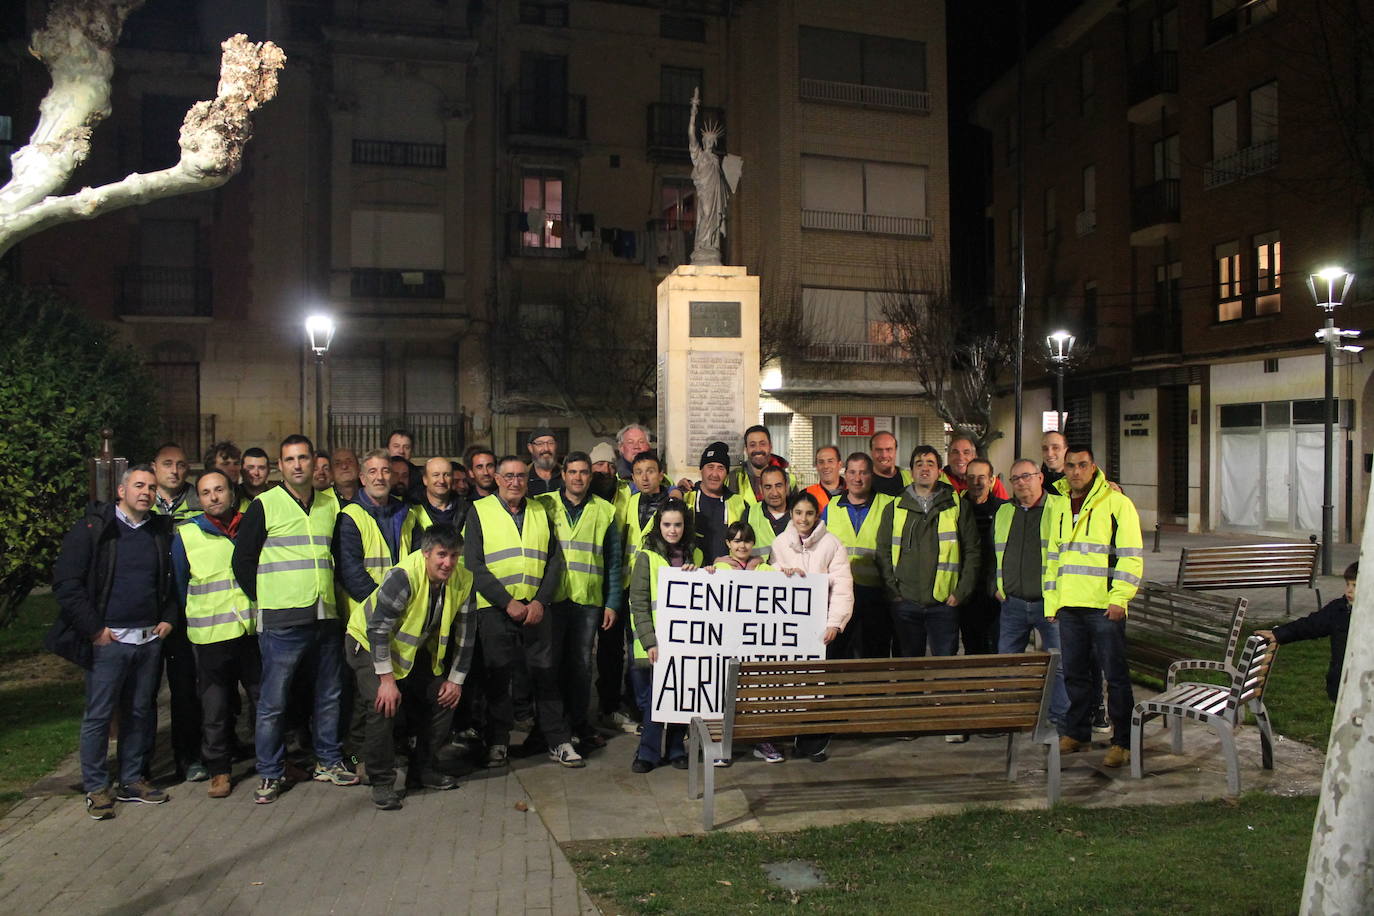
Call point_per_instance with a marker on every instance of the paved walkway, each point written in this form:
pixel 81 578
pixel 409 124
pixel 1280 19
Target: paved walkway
pixel 322 849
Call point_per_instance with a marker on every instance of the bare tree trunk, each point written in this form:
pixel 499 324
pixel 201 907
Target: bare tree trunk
pixel 1340 864
pixel 77 46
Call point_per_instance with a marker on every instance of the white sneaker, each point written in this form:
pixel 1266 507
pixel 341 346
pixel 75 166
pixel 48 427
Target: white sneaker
pixel 955 739
pixel 618 721
pixel 768 753
pixel 566 755
pixel 721 762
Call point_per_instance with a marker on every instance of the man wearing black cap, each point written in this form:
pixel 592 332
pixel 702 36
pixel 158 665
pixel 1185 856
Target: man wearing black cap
pixel 544 473
pixel 713 503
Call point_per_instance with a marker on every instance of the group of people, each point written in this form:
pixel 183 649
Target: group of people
pixel 368 605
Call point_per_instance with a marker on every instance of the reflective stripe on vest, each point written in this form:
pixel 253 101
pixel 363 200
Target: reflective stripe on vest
pixel 376 555
pixel 583 545
pixel 862 545
pixel 1098 560
pixel 656 562
pixel 763 530
pixel 515 556
pixel 216 608
pixel 295 569
pixel 947 560
pixel 409 635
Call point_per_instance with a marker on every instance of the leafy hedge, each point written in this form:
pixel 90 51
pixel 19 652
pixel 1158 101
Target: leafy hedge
pixel 63 377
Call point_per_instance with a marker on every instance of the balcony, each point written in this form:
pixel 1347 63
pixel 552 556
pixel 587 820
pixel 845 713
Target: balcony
pixel 436 434
pixel 831 91
pixel 539 119
pixel 1241 164
pixel 918 227
pixel 852 352
pixel 396 153
pixel 164 292
pixel 1153 88
pixel 555 239
pixel 1247 14
pixel 1155 212
pixel 383 283
pixel 1085 223
pixel 1155 334
pixel 667 129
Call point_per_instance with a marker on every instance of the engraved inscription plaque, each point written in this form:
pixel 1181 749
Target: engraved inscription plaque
pixel 715 319
pixel 715 398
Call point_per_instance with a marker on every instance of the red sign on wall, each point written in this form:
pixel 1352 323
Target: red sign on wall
pixel 857 426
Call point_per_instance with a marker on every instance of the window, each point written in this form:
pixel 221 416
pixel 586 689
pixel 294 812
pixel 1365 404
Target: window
pixel 1046 106
pixel 1164 31
pixel 1267 273
pixel 865 60
pixel 542 105
pixel 1166 161
pixel 1264 113
pixel 855 196
pixel 1226 257
pixel 552 13
pixel 1087 82
pixel 677 204
pixel 1088 323
pixel 397 239
pixel 848 316
pixel 779 431
pixel 1224 129
pixel 541 202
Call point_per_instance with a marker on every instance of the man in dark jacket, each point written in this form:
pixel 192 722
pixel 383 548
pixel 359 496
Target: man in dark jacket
pixel 979 617
pixel 113 585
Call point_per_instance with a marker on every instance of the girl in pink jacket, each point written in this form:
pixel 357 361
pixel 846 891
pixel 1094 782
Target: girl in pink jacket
pixel 806 547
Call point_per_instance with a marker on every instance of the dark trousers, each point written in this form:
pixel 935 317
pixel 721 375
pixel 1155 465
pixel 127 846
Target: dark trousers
pixel 419 697
pixel 919 626
pixel 574 636
pixel 1083 632
pixel 651 736
pixel 220 668
pixel 870 631
pixel 507 643
pixel 179 662
pixel 610 668
pixel 122 681
pixel 979 624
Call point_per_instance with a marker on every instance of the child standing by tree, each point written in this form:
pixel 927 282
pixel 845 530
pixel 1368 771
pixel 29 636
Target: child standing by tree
pixel 1333 621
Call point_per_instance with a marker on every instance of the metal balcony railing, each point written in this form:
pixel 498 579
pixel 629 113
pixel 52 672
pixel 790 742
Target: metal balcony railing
pixel 1242 163
pixel 1155 203
pixel 164 292
pixel 383 283
pixel 397 153
pixel 851 352
pixel 436 434
pixel 914 100
pixel 838 221
pixel 1155 74
pixel 1085 222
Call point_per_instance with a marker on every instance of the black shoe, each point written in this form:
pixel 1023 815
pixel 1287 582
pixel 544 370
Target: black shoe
pixel 386 798
pixel 589 740
pixel 433 779
pixel 818 757
pixel 639 765
pixel 679 763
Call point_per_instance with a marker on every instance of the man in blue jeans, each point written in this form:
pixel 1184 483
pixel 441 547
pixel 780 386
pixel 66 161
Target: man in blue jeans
pixel 1019 547
pixel 929 560
pixel 113 584
pixel 282 561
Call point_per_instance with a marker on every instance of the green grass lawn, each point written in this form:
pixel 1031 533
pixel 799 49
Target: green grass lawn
pixel 40 701
pixel 1246 856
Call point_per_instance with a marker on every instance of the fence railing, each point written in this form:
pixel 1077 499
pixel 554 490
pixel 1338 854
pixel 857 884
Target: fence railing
pixel 398 153
pixel 859 94
pixel 436 434
pixel 851 352
pixel 839 221
pixel 1243 162
pixel 379 283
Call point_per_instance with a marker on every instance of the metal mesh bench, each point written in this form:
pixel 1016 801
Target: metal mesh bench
pixel 1221 708
pixel 1274 565
pixel 892 696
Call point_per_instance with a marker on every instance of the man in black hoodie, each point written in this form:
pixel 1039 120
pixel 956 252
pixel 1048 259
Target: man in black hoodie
pixel 113 584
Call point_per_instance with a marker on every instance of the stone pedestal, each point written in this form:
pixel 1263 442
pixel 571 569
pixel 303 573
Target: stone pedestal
pixel 708 362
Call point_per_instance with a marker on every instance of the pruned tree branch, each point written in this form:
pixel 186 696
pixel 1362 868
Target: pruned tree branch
pixel 77 46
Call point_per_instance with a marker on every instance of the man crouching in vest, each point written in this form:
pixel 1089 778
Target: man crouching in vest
pixel 398 645
pixel 220 620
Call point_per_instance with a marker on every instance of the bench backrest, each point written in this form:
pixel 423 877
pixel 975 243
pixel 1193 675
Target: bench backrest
pixel 1253 668
pixel 888 696
pixel 1248 566
pixel 1189 624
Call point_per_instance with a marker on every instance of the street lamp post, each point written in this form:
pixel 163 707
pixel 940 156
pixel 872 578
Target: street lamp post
pixel 1328 287
pixel 1060 348
pixel 320 330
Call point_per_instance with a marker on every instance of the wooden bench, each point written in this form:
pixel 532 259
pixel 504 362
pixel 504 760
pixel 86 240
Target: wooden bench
pixel 892 696
pixel 1167 626
pixel 1274 565
pixel 1219 707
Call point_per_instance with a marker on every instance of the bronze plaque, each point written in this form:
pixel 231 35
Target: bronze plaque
pixel 715 319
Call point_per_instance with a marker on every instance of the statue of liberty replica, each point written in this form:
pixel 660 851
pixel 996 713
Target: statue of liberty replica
pixel 715 184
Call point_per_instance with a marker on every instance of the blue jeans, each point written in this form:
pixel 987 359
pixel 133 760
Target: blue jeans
pixel 283 652
pixel 1085 632
pixel 1019 617
pixel 651 736
pixel 123 677
pixel 917 625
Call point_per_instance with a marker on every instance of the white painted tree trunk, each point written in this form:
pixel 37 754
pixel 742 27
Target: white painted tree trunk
pixel 77 46
pixel 1340 864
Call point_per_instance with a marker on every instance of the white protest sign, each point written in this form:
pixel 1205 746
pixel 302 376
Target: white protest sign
pixel 705 619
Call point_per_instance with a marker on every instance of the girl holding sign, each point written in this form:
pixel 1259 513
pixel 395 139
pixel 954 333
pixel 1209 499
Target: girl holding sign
pixel 670 543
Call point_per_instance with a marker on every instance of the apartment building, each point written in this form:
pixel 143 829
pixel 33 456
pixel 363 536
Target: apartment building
pixel 1187 165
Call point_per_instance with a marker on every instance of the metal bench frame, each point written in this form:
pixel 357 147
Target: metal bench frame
pixel 709 740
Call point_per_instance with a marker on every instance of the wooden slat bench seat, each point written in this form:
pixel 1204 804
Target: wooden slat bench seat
pixel 893 696
pixel 1274 565
pixel 1167 626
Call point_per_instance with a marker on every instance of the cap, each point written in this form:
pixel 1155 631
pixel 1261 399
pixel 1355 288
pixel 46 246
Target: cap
pixel 603 451
pixel 539 433
pixel 717 452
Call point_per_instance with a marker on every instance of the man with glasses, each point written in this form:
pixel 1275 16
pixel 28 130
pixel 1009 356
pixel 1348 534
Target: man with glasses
pixel 544 475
